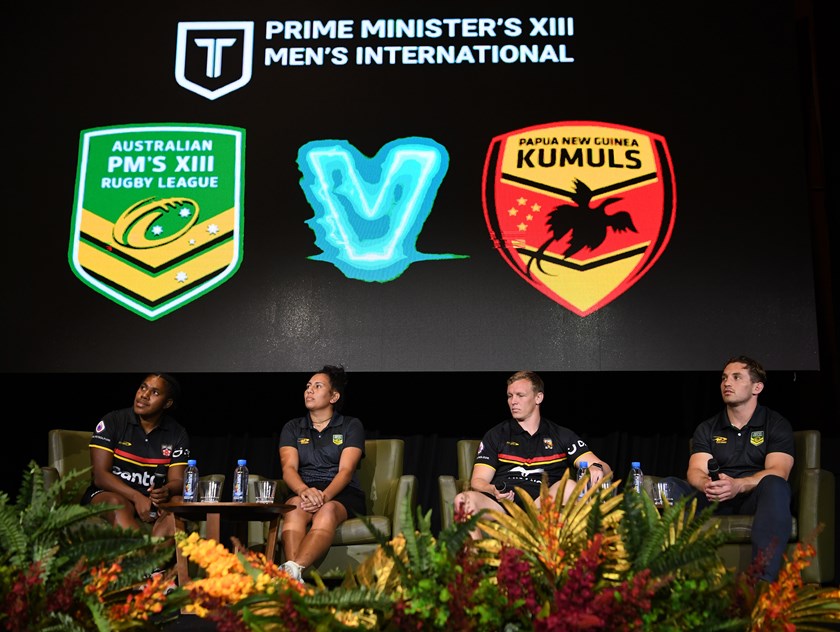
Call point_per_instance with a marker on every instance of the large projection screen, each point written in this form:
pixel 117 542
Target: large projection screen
pixel 583 186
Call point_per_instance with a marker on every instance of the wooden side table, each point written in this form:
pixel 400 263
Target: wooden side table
pixel 213 513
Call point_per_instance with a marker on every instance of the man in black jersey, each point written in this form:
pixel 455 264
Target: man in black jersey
pixel 516 452
pixel 754 449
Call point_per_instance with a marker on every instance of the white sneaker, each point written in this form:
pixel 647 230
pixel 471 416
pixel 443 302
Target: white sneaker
pixel 294 570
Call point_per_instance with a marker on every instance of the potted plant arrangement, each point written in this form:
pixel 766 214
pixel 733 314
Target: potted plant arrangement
pixel 605 561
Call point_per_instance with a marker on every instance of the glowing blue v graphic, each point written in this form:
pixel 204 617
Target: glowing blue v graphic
pixel 369 211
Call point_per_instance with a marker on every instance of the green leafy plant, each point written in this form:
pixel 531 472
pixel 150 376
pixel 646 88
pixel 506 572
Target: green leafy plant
pixel 603 561
pixel 48 546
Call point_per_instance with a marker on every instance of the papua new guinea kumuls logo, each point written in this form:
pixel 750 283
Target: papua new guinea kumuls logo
pixel 158 216
pixel 581 210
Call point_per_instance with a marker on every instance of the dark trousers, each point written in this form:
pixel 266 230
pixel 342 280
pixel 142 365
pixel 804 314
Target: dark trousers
pixel 769 504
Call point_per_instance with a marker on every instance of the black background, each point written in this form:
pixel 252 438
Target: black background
pixel 733 87
pixel 719 84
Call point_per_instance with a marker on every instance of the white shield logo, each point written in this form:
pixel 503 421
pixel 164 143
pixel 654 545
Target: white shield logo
pixel 214 58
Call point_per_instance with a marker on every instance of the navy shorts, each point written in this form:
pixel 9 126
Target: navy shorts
pixel 351 498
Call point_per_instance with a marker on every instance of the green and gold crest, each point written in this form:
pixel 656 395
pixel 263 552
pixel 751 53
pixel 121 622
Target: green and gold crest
pixel 158 213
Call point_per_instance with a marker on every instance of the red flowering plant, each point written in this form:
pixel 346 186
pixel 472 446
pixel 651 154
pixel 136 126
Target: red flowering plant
pixel 787 604
pixel 62 568
pixel 603 561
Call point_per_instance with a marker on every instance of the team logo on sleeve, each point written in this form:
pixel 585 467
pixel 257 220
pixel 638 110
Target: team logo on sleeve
pixel 158 215
pixel 100 426
pixel 579 210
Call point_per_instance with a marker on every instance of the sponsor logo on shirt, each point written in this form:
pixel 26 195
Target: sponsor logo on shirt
pixel 548 444
pixel 757 437
pixel 719 440
pixel 303 441
pixel 100 426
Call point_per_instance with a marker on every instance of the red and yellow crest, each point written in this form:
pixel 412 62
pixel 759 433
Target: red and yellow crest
pixel 580 210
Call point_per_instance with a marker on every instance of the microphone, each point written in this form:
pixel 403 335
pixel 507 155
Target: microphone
pixel 160 476
pixel 157 481
pixel 714 469
pixel 501 487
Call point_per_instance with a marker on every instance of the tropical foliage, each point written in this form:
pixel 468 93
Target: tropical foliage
pixel 62 567
pixel 606 561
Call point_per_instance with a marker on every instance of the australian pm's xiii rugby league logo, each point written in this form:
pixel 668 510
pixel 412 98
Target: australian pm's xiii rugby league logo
pixel 580 210
pixel 158 214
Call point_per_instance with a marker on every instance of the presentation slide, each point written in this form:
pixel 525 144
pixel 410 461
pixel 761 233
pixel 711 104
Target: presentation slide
pixel 446 187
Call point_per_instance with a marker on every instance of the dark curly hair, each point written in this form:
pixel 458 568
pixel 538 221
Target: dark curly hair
pixel 173 386
pixel 338 380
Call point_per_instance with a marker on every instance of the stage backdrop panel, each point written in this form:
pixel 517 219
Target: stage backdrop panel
pixel 264 187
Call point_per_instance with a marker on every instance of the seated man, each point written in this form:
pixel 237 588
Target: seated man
pixel 754 449
pixel 516 452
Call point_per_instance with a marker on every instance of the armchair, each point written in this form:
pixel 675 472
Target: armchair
pixel 449 486
pixel 812 504
pixel 386 488
pixel 67 450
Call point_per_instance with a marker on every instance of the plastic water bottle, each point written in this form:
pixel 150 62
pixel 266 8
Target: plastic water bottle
pixel 190 482
pixel 240 481
pixel 636 480
pixel 581 472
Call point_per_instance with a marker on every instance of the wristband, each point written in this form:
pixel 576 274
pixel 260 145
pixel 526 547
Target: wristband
pixel 598 465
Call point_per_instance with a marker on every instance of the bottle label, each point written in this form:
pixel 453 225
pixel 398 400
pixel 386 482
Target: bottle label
pixel 637 482
pixel 240 482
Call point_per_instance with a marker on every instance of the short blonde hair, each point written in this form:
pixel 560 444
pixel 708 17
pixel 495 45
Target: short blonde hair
pixel 533 378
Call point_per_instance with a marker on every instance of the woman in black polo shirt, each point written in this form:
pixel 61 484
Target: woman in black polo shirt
pixel 319 455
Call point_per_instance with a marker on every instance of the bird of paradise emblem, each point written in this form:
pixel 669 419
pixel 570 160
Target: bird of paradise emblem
pixel 580 210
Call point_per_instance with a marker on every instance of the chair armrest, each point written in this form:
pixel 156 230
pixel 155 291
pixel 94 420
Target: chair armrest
pixel 817 511
pixel 51 475
pixel 448 489
pixel 283 491
pixel 406 492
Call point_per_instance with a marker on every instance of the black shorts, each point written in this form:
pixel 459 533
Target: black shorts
pixel 90 492
pixel 516 499
pixel 351 498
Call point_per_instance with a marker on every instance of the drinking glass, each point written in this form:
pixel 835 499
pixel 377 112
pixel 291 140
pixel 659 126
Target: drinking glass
pixel 665 494
pixel 265 490
pixel 209 491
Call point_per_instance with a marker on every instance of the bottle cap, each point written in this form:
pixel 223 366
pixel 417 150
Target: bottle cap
pixel 584 464
pixel 635 464
pixel 191 462
pixel 241 461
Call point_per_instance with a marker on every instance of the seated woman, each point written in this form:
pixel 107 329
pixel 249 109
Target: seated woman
pixel 319 455
pixel 129 447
